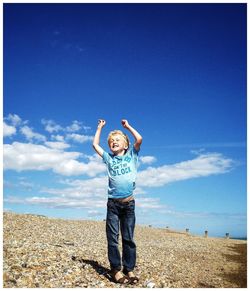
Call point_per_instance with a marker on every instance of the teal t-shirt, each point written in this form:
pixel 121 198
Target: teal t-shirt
pixel 122 172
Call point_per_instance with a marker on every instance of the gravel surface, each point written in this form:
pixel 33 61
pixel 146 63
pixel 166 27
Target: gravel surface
pixel 44 252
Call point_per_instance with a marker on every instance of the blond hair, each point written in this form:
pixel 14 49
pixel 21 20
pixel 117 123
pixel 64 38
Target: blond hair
pixel 119 132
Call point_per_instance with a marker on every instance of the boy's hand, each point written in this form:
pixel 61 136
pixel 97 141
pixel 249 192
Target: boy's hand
pixel 125 123
pixel 101 123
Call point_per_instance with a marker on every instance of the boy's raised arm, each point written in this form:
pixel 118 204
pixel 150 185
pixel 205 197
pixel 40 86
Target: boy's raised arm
pixel 135 133
pixel 96 140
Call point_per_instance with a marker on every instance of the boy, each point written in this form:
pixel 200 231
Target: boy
pixel 122 167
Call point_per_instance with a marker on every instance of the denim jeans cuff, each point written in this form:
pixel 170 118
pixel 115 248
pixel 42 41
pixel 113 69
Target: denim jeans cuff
pixel 115 269
pixel 126 270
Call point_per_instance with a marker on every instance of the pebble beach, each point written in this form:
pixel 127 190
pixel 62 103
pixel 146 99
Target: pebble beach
pixel 43 252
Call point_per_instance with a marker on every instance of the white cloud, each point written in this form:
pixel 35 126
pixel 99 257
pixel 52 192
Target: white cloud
pixel 147 159
pixel 95 213
pixel 14 119
pixel 95 165
pixel 199 214
pixel 94 187
pixel 92 193
pixel 97 206
pixel 79 138
pixel 58 137
pixel 51 126
pixel 8 130
pixel 86 128
pixel 30 134
pixel 69 166
pixel 69 199
pixel 27 156
pixel 203 165
pixel 75 126
pixel 149 203
pixel 205 145
pixel 58 202
pixel 138 191
pixel 27 185
pixel 57 145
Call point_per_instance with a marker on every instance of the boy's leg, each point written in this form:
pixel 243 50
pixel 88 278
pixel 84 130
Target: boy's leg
pixel 127 230
pixel 112 232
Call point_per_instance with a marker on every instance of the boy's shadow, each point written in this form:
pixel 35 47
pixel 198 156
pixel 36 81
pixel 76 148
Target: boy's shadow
pixel 96 266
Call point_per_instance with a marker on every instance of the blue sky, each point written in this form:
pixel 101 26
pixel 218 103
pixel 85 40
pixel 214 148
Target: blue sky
pixel 177 72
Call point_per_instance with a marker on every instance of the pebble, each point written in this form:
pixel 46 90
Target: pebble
pixel 150 284
pixel 42 252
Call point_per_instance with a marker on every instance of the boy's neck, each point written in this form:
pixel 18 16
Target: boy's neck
pixel 120 153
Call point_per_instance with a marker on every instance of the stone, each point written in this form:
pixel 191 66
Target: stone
pixel 41 252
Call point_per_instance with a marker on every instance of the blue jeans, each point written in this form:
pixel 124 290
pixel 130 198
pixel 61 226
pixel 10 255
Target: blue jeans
pixel 121 215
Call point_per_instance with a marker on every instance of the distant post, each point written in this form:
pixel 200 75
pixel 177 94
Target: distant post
pixel 187 230
pixel 227 235
pixel 206 233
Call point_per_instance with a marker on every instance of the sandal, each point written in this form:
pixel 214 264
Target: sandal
pixel 132 279
pixel 123 280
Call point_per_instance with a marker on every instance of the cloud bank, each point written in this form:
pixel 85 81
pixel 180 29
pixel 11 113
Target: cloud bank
pixel 27 156
pixel 202 166
pixel 52 153
pixel 8 130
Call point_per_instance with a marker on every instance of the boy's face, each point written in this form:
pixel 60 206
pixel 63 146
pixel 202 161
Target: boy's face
pixel 117 144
